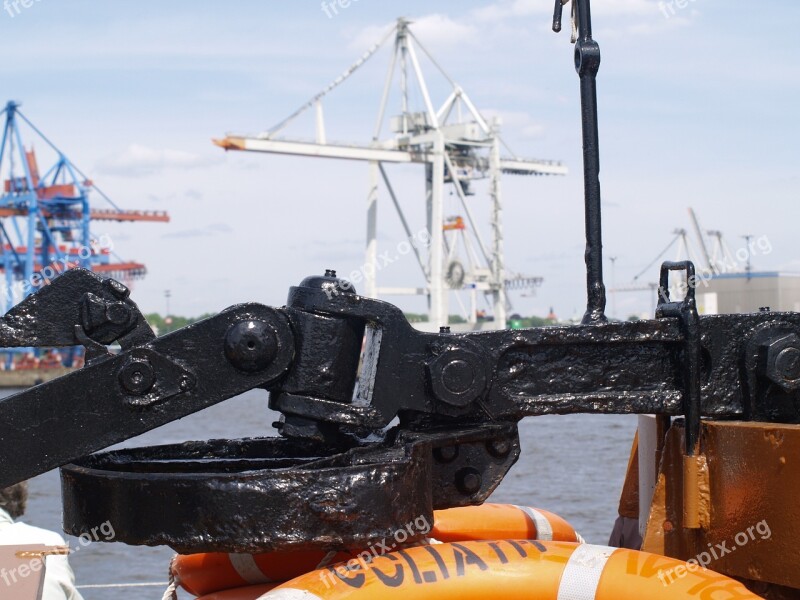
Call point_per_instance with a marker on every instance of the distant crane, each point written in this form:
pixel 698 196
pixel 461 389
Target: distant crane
pixel 719 260
pixel 45 219
pixel 701 240
pixel 456 145
pixel 721 254
pixel 749 266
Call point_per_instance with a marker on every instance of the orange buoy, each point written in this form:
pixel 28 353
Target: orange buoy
pixel 511 569
pixel 500 522
pixel 251 592
pixel 205 573
pixel 209 572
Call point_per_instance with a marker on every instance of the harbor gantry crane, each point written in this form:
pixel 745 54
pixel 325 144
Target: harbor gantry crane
pixel 456 145
pixel 46 217
pixel 708 263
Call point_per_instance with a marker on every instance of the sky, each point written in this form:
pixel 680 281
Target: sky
pixel 697 101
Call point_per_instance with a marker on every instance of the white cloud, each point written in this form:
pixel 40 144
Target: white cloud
pixel 520 8
pixel 434 30
pixel 442 30
pixel 631 17
pixel 625 7
pixel 139 160
pixel 626 17
pixel 514 8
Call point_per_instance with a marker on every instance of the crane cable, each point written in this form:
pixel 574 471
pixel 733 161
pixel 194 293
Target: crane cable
pixel 335 83
pixel 74 166
pixel 456 86
pixel 657 258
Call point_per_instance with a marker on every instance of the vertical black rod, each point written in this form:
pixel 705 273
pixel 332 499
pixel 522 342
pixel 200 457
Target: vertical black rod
pixel 692 406
pixel 587 63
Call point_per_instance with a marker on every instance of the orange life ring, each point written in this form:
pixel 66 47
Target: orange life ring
pixel 249 592
pixel 206 573
pixel 510 569
pixel 500 522
pixel 210 572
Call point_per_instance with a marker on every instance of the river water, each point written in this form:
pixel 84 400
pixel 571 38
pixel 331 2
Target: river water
pixel 572 465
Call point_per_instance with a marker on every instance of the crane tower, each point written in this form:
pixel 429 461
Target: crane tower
pixel 456 146
pixel 46 217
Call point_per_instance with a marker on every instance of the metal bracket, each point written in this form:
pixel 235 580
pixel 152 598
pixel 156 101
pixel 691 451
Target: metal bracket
pixel 686 311
pixel 273 493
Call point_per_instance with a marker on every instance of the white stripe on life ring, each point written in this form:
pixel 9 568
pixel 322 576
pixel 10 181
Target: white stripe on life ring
pixel 544 531
pixel 581 577
pixel 289 594
pixel 247 568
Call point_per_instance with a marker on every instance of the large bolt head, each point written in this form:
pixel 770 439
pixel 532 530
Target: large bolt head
pixel 251 345
pixel 468 481
pixel 782 364
pixel 118 313
pixel 457 377
pixel 137 377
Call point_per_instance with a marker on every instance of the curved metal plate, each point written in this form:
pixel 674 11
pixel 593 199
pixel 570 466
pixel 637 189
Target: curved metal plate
pixel 248 495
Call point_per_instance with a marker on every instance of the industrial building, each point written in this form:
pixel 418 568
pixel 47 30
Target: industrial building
pixel 744 292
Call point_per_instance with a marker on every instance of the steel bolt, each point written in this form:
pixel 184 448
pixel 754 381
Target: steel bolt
pixel 788 363
pixel 117 288
pixel 137 376
pixel 782 365
pixel 499 448
pixel 445 454
pixel 468 481
pixel 457 377
pixel 118 313
pixel 251 345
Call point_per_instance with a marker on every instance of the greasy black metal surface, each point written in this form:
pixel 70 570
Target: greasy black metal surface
pixel 587 63
pixel 466 390
pixel 469 463
pixel 381 423
pixel 244 496
pixel 771 392
pixel 81 298
pixel 686 311
pixel 264 494
pixel 59 421
pixel 456 434
pixel 327 346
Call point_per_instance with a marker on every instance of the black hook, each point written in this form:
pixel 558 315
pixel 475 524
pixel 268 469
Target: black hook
pixel 557 15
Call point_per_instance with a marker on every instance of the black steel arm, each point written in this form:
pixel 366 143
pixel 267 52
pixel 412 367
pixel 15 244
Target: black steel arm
pixel 456 397
pixel 146 386
pixel 100 308
pixel 375 414
pixel 622 367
